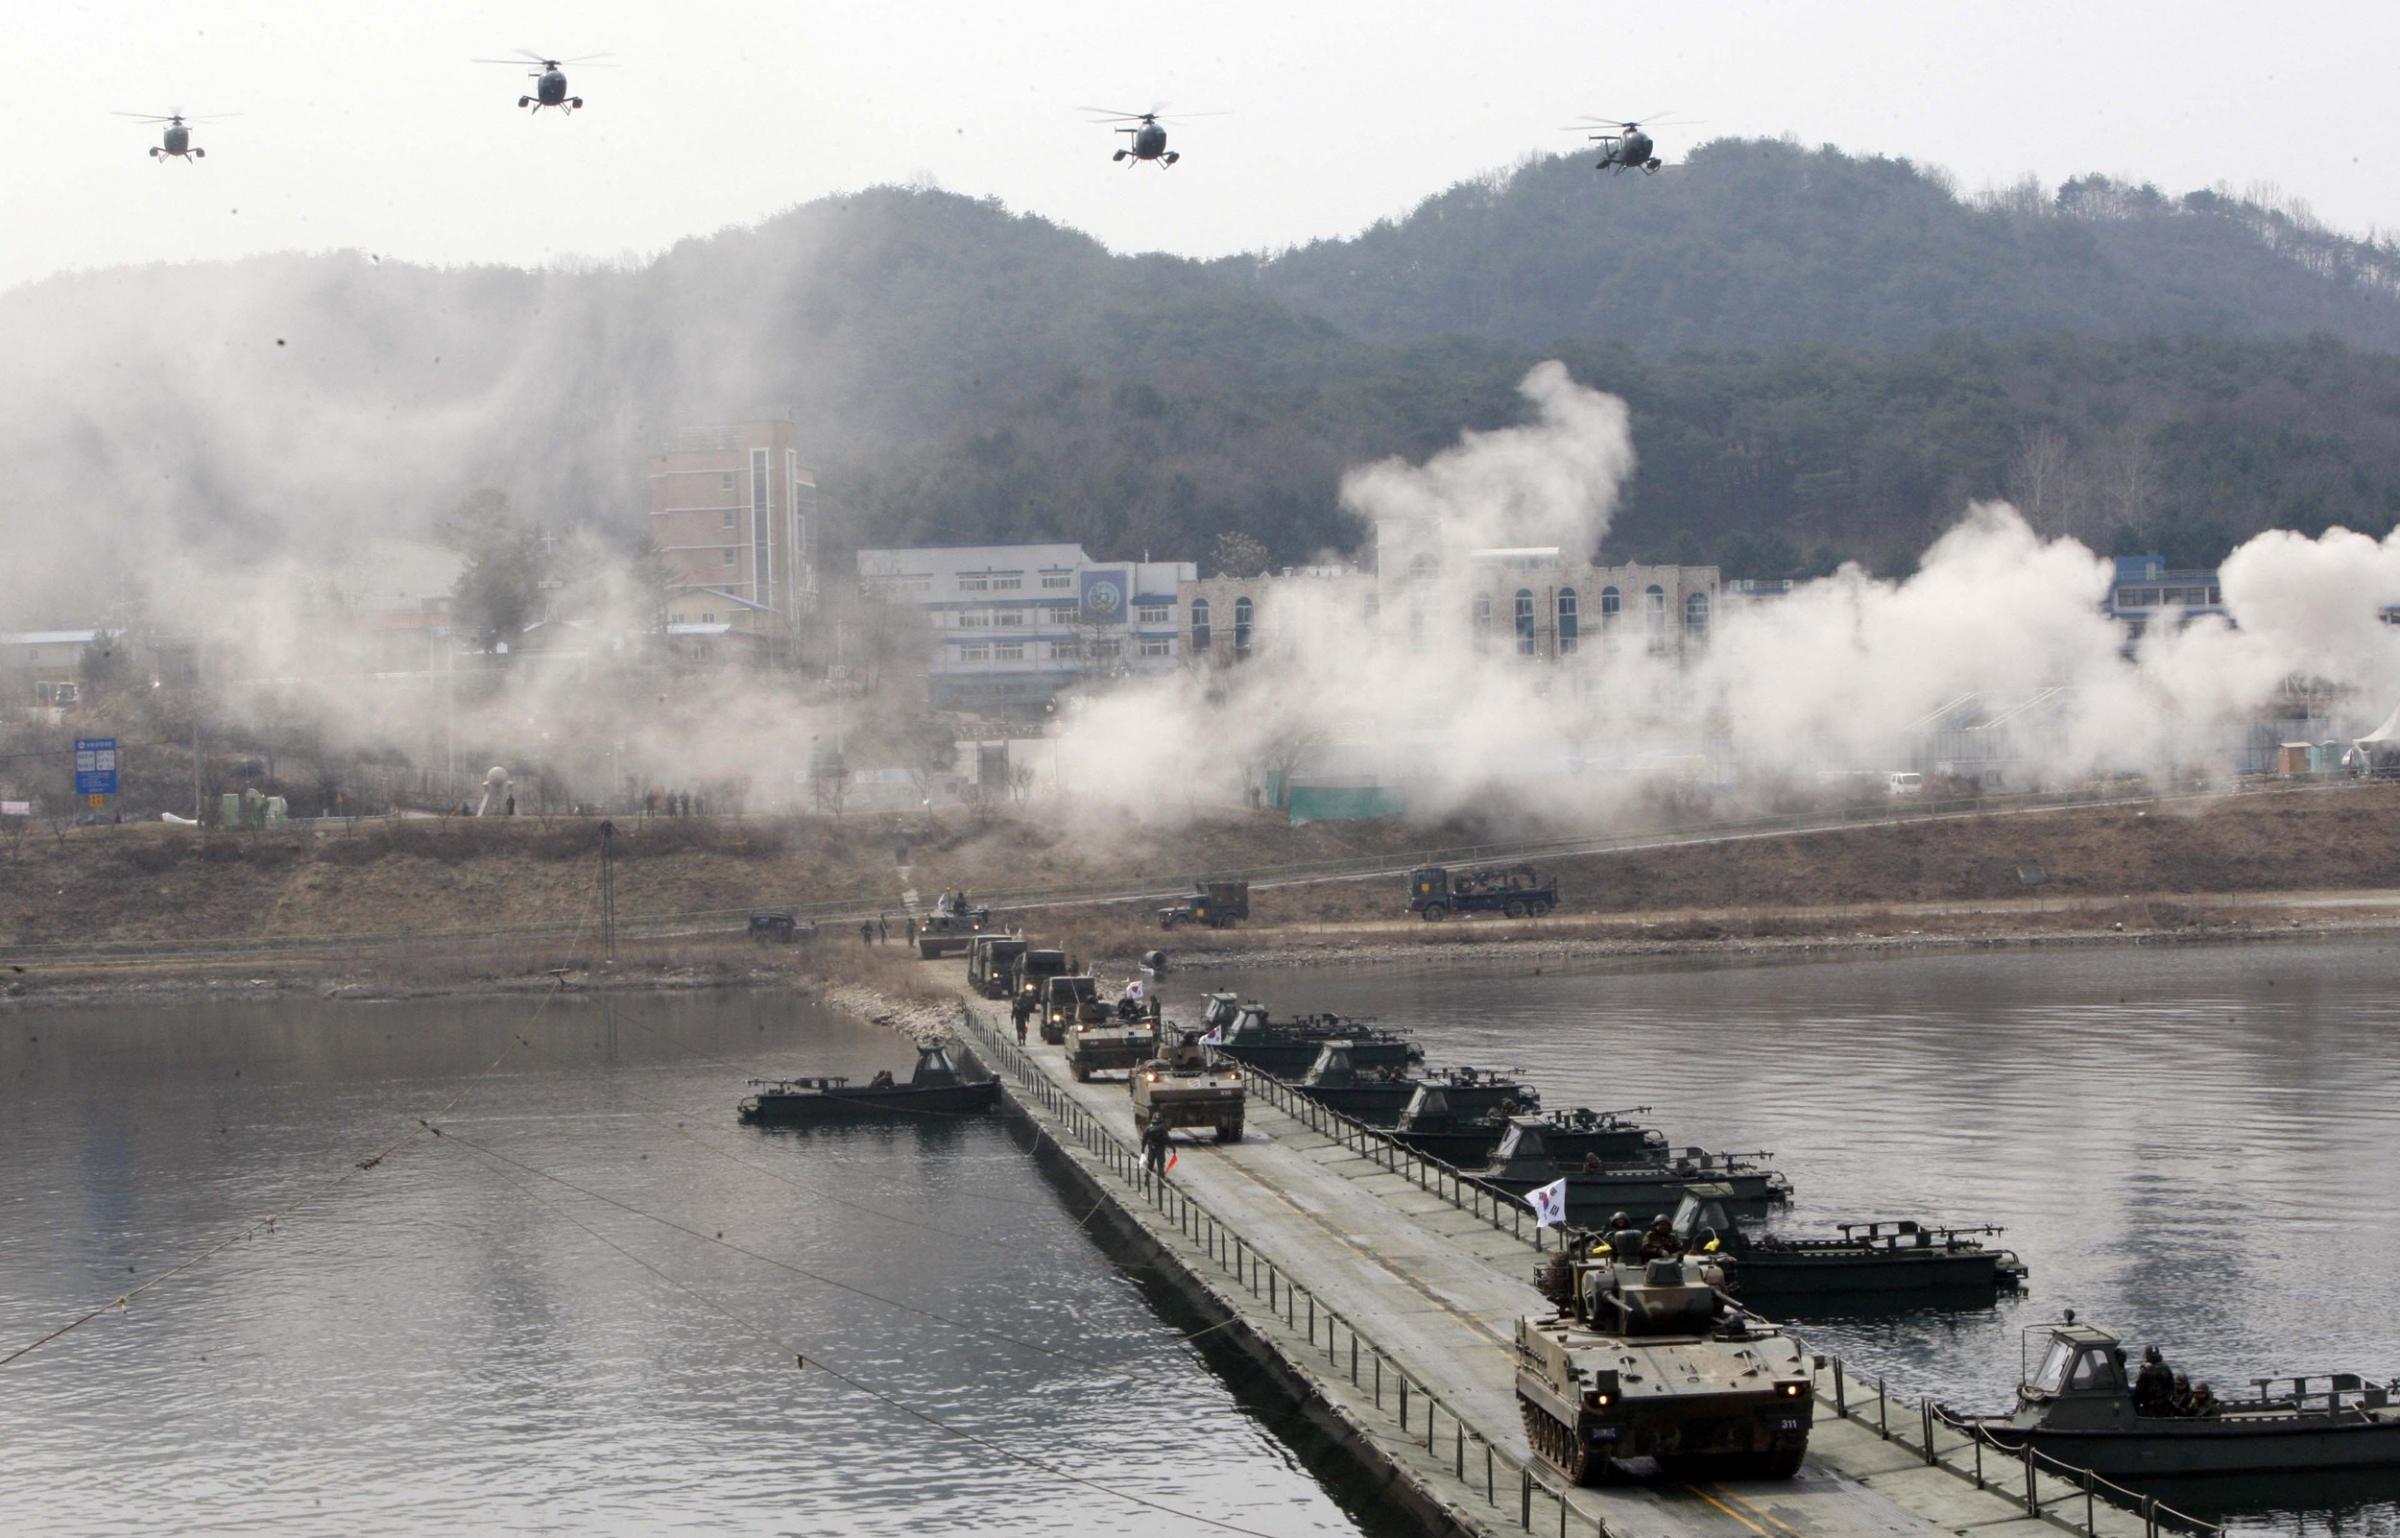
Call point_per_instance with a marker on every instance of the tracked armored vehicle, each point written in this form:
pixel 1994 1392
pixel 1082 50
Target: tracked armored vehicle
pixel 1648 1359
pixel 1182 1087
pixel 1120 1041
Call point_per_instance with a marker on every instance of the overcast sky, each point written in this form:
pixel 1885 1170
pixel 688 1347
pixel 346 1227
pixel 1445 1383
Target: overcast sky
pixel 365 126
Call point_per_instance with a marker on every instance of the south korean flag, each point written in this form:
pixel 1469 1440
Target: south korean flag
pixel 1549 1204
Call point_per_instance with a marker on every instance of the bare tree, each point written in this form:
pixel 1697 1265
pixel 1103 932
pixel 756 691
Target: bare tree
pixel 2046 481
pixel 1238 555
pixel 1020 783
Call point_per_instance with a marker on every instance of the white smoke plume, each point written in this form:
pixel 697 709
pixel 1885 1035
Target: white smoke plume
pixel 1841 677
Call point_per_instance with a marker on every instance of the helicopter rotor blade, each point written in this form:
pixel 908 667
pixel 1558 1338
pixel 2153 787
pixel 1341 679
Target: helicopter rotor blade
pixel 1112 112
pixel 147 117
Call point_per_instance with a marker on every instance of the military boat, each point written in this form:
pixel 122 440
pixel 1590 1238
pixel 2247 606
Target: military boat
pixel 1285 1048
pixel 934 1089
pixel 2075 1405
pixel 1433 1126
pixel 1648 1358
pixel 1377 1096
pixel 1524 1163
pixel 1882 1258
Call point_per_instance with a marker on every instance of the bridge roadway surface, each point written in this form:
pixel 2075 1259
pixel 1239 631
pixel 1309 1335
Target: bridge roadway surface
pixel 1439 1290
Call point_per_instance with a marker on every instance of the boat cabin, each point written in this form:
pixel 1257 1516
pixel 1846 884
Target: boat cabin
pixel 934 1068
pixel 1522 1143
pixel 1332 1069
pixel 1219 1012
pixel 1700 1219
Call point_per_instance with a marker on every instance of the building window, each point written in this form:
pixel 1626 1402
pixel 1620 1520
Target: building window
pixel 1155 614
pixel 978 653
pixel 973 584
pixel 725 481
pixel 729 555
pixel 728 518
pixel 1654 616
pixel 1524 622
pixel 1695 614
pixel 708 616
pixel 1199 624
pixel 1569 621
pixel 1058 579
pixel 1008 651
pixel 1242 612
pixel 1610 603
pixel 1483 614
pixel 1104 651
pixel 974 619
pixel 1008 582
pixel 1423 568
pixel 1008 619
pixel 1157 646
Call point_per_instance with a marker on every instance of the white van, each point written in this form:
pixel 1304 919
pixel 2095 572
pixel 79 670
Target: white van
pixel 1907 783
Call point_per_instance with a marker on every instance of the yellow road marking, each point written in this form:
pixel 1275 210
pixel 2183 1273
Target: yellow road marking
pixel 1767 1517
pixel 1729 1511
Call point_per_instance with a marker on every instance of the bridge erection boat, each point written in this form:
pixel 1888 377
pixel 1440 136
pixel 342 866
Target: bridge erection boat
pixel 934 1089
pixel 1888 1260
pixel 2075 1405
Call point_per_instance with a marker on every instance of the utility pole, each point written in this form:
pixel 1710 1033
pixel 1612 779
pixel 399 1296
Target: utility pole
pixel 608 889
pixel 199 807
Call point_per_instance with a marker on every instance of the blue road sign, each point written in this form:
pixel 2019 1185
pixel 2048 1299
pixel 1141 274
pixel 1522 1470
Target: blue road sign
pixel 95 766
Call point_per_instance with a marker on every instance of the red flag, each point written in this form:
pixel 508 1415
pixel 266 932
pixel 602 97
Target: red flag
pixel 1171 1157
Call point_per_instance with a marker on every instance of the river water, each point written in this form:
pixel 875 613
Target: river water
pixel 453 1340
pixel 2194 1147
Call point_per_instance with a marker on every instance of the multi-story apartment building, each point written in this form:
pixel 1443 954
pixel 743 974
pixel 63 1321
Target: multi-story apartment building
pixel 1536 602
pixel 733 510
pixel 1009 626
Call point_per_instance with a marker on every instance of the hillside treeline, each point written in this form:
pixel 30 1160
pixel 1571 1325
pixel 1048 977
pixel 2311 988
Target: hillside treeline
pixel 1827 356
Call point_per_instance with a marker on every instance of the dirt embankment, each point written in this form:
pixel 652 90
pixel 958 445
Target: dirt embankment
pixel 2231 866
pixel 158 883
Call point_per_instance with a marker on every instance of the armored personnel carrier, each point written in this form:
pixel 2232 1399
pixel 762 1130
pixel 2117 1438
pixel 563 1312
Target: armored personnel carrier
pixel 1181 1087
pixel 1119 1041
pixel 1525 1163
pixel 1648 1359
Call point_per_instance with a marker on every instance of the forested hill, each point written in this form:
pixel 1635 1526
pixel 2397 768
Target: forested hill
pixel 1755 244
pixel 1830 369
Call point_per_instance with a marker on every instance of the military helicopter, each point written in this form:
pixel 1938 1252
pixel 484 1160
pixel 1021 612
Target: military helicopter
pixel 549 80
pixel 1149 139
pixel 178 144
pixel 1628 149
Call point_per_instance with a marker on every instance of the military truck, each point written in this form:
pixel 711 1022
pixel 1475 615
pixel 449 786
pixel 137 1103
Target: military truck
pixel 1181 1088
pixel 1027 976
pixel 1214 903
pixel 1068 1001
pixel 1646 1357
pixel 1120 1041
pixel 1434 893
pixel 989 961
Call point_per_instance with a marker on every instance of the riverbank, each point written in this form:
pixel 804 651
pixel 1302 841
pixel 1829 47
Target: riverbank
pixel 888 980
pixel 405 903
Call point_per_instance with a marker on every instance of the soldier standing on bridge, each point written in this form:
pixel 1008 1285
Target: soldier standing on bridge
pixel 1154 1147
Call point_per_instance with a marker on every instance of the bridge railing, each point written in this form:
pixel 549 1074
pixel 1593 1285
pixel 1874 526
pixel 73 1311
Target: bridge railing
pixel 1423 1414
pixel 2022 1473
pixel 1503 1211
